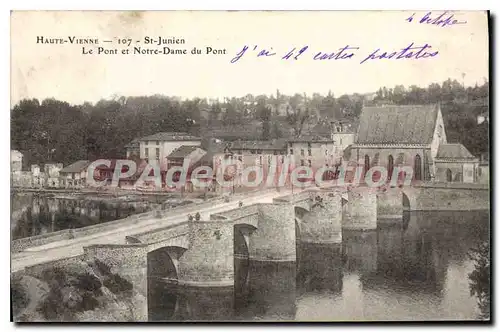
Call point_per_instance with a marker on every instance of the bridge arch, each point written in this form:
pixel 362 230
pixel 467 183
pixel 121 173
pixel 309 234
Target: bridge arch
pixel 163 263
pixel 241 239
pixel 406 202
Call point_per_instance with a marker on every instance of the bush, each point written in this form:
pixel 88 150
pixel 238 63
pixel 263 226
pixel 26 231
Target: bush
pixel 88 282
pixel 117 284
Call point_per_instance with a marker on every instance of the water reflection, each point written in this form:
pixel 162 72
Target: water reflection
pixel 412 270
pixel 34 214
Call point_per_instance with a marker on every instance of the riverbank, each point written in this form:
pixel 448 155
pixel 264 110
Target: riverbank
pixel 80 291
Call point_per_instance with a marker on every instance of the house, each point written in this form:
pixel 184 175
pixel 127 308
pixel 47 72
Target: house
pixel 51 174
pixel 409 135
pixel 16 161
pixel 258 153
pixel 313 151
pixel 483 117
pixel 483 170
pixel 191 152
pixel 133 149
pixel 343 136
pixel 454 163
pixel 160 145
pixel 74 175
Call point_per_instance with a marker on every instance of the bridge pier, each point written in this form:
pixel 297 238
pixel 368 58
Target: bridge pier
pixel 274 238
pixel 323 223
pixel 361 211
pixel 209 260
pixel 390 204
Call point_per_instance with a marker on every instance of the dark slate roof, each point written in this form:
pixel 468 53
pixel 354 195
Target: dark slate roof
pixel 453 151
pixel 182 151
pixel 275 144
pixel 397 124
pixel 76 167
pixel 133 144
pixel 170 136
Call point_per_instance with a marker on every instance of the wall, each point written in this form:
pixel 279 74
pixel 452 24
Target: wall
pixel 458 171
pixel 209 261
pixel 483 174
pixel 455 199
pixel 274 239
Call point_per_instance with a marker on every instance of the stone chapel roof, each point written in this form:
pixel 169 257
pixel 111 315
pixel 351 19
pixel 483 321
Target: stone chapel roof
pixel 397 124
pixel 453 151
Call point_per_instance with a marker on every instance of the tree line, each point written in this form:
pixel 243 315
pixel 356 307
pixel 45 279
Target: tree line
pixel 56 131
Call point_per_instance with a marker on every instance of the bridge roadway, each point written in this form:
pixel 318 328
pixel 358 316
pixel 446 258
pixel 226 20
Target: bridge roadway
pixel 74 247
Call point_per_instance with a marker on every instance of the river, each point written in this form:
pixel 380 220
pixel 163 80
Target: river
pixel 412 269
pixel 40 213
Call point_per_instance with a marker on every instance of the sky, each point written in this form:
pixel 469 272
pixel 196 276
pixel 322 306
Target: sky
pixel 63 72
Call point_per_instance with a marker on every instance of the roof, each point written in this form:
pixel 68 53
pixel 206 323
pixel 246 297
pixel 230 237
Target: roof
pixel 75 167
pixel 453 151
pixel 275 144
pixel 133 144
pixel 311 138
pixel 170 136
pixel 183 151
pixel 397 124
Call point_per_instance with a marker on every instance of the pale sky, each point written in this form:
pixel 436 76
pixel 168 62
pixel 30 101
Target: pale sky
pixel 63 72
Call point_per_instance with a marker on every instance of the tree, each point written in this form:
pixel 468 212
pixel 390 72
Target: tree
pixel 297 114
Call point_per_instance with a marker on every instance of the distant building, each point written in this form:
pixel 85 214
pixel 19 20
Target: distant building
pixel 16 161
pixel 51 174
pixel 74 175
pixel 258 153
pixel 483 170
pixel 191 152
pixel 454 163
pixel 483 117
pixel 160 145
pixel 342 136
pixel 313 151
pixel 133 149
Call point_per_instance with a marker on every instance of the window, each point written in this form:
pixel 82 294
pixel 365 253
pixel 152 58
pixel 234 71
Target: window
pixel 310 162
pixel 291 151
pixel 309 152
pixel 157 142
pixel 418 168
pixel 367 163
pixel 340 141
pixel 157 153
pixel 275 152
pixel 390 166
pixel 301 152
pixel 308 145
pixel 146 152
pixel 259 151
pixel 302 162
pixel 326 152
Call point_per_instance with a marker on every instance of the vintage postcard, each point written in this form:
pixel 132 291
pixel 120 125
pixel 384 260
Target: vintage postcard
pixel 312 166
